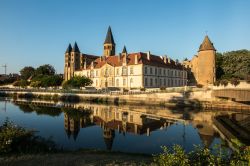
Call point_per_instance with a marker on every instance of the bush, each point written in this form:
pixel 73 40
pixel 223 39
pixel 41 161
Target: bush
pixel 15 139
pixel 202 156
pixel 199 86
pixel 143 89
pixel 224 82
pixel 77 82
pixel 235 81
pixel 217 83
pixel 162 88
pixel 21 83
pixel 247 78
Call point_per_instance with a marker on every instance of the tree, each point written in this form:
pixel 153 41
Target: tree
pixel 47 81
pixel 45 70
pixel 77 82
pixel 233 64
pixel 26 72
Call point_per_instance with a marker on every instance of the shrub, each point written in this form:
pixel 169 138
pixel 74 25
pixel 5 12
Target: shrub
pixel 217 83
pixel 143 89
pixel 235 81
pixel 15 139
pixel 199 86
pixel 247 78
pixel 162 88
pixel 77 82
pixel 224 82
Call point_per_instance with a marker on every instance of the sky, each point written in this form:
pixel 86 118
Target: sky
pixel 37 32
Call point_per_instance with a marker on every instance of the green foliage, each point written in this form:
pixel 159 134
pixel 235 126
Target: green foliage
pixel 202 156
pixel 177 158
pixel 26 72
pixel 21 83
pixel 235 81
pixel 45 70
pixel 15 139
pixel 46 81
pixel 224 82
pixel 77 82
pixel 233 64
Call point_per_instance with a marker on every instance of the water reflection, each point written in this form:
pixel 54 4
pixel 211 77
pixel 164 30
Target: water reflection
pixel 185 127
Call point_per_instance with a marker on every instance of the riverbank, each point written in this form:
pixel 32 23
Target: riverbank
pixel 195 99
pixel 77 159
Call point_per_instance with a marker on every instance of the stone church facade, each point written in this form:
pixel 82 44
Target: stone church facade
pixel 140 69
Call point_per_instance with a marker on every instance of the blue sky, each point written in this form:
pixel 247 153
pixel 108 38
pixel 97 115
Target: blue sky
pixel 36 32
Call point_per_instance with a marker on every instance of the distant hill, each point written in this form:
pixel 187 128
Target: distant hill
pixel 233 64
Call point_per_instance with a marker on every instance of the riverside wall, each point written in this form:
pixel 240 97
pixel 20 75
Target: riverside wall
pixel 196 99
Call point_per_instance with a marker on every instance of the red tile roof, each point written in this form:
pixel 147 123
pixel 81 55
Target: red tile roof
pixel 141 59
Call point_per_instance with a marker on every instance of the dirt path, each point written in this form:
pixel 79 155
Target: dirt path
pixel 76 159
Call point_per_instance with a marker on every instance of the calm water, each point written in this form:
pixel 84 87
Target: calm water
pixel 117 128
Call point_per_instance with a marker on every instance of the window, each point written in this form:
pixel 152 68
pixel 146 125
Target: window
pixel 117 82
pixel 131 82
pixel 146 81
pixel 151 82
pixel 117 71
pixel 92 73
pixel 151 70
pixel 96 73
pixel 131 70
pixel 124 70
pixel 160 82
pixel 131 118
pixel 165 82
pixel 124 82
pixel 155 71
pixel 159 71
pixel 156 82
pixel 164 72
pixel 146 70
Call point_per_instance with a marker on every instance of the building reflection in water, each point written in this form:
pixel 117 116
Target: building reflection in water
pixel 143 120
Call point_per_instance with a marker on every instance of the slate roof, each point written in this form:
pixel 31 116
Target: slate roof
pixel 75 48
pixel 206 45
pixel 69 49
pixel 117 60
pixel 109 37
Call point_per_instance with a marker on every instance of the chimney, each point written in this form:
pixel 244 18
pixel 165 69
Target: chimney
pixel 85 65
pixel 165 59
pixel 136 59
pixel 92 65
pixel 169 60
pixel 148 55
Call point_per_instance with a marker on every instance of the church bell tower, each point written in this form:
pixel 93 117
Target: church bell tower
pixel 109 44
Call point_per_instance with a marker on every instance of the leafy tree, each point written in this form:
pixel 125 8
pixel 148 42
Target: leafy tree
pixel 45 70
pixel 77 82
pixel 47 81
pixel 26 72
pixel 233 64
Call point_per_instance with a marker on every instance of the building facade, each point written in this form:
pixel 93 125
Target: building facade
pixel 202 65
pixel 124 70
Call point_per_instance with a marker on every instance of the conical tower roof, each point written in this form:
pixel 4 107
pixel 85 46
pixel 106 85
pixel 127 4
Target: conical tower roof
pixel 206 45
pixel 124 50
pixel 75 48
pixel 69 49
pixel 109 37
